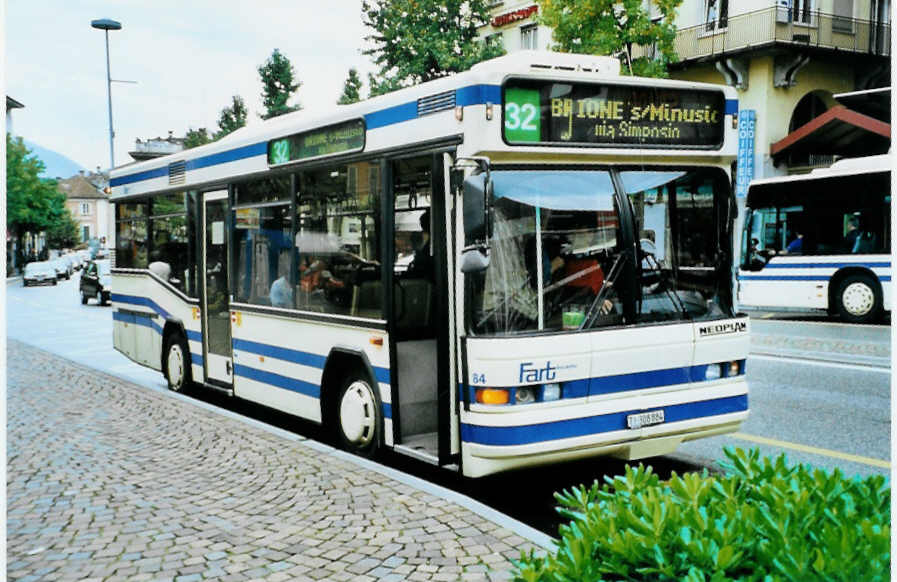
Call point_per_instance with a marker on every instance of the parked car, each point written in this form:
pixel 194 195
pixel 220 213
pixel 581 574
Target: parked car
pixel 95 281
pixel 39 273
pixel 77 263
pixel 63 271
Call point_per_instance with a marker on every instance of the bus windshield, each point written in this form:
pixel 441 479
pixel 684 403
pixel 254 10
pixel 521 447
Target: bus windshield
pixel 558 260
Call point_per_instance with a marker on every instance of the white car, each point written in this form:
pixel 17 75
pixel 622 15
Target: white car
pixel 39 273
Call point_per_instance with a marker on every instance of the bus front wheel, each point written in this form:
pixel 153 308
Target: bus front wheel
pixel 859 299
pixel 176 363
pixel 358 422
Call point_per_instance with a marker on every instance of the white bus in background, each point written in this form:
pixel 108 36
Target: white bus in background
pixel 525 263
pixel 821 241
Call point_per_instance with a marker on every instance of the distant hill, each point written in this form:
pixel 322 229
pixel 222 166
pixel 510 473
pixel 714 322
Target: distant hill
pixel 57 165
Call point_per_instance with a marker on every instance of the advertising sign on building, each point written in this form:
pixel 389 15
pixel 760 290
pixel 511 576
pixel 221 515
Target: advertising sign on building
pixel 747 122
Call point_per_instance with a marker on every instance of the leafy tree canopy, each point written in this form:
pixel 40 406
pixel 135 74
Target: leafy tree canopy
pixel 420 40
pixel 278 85
pixel 351 90
pixel 196 138
pixel 615 27
pixel 64 233
pixel 32 203
pixel 231 118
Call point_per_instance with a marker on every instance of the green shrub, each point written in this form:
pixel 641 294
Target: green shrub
pixel 763 520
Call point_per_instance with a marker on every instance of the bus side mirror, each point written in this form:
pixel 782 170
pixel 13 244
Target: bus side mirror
pixel 477 197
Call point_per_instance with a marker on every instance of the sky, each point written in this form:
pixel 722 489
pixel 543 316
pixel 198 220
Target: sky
pixel 188 58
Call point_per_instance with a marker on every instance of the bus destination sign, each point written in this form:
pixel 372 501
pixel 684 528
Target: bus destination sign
pixel 336 139
pixel 604 115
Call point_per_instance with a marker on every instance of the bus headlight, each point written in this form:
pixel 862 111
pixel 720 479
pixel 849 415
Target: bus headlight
pixel 525 394
pixel 551 392
pixel 714 372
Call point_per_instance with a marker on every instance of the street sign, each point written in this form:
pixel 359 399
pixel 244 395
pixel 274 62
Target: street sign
pixel 747 122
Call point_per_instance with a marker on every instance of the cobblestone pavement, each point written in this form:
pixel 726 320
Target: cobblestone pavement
pixel 110 481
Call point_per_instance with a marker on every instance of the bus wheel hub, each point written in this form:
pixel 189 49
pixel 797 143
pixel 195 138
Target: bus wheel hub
pixel 858 298
pixel 357 413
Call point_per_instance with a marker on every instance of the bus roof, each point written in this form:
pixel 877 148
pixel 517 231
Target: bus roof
pixel 245 150
pixel 845 167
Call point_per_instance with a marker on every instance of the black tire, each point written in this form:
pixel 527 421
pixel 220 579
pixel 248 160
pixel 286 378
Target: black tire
pixel 357 416
pixel 102 298
pixel 55 282
pixel 176 363
pixel 83 298
pixel 24 283
pixel 858 299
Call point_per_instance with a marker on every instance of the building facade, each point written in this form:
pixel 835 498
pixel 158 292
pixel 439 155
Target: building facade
pixel 787 58
pixel 515 25
pixel 89 206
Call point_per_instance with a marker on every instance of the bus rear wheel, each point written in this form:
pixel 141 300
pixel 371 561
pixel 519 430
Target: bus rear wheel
pixel 176 363
pixel 358 422
pixel 859 299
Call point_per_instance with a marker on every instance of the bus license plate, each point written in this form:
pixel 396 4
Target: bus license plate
pixel 644 419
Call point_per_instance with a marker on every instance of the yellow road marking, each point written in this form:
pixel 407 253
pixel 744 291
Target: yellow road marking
pixel 812 450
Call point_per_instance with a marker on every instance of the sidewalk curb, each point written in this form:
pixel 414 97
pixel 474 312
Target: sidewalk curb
pixel 521 529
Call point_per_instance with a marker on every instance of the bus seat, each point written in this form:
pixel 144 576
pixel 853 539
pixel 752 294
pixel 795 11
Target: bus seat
pixel 367 299
pixel 414 301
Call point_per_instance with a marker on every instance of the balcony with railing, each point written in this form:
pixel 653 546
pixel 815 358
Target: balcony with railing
pixel 782 26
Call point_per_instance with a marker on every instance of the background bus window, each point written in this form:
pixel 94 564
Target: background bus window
pixel 131 235
pixel 833 216
pixel 681 216
pixel 168 256
pixel 337 243
pixel 262 243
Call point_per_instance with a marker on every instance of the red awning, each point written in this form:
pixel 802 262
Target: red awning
pixel 838 131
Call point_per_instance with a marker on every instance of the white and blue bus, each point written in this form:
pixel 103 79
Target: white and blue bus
pixel 820 241
pixel 524 263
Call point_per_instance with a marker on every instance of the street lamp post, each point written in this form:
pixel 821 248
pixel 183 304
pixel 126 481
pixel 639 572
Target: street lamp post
pixel 107 25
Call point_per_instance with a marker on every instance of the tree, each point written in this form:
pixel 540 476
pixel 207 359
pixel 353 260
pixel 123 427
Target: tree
pixel 615 27
pixel 196 138
pixel 33 204
pixel 231 118
pixel 351 90
pixel 64 233
pixel 420 40
pixel 278 85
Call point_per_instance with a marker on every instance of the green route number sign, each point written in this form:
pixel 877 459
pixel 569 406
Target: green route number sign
pixel 523 119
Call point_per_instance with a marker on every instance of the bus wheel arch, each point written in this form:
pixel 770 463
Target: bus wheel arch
pixel 350 402
pixel 175 359
pixel 855 295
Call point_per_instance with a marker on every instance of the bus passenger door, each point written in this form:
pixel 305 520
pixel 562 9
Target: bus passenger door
pixel 421 328
pixel 216 322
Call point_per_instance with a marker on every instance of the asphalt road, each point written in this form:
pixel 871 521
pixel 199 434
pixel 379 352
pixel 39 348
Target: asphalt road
pixel 820 393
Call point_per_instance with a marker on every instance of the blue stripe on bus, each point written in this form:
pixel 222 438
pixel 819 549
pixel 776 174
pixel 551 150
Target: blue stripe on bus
pixel 194 335
pixel 824 265
pixel 577 427
pixel 387 409
pixel 391 115
pixel 196 359
pixel 478 95
pixel 139 176
pixel 631 381
pixel 795 278
pixel 142 301
pixel 272 379
pixel 298 357
pixel 731 106
pixel 286 354
pixel 137 319
pixel 241 153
